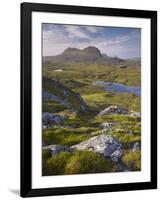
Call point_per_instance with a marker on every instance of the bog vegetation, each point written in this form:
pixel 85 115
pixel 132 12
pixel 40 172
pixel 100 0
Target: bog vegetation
pixel 76 98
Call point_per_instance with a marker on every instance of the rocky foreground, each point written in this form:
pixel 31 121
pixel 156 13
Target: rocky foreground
pixel 100 142
pixel 86 134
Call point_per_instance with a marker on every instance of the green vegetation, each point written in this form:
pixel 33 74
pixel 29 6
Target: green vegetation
pixel 67 136
pixel 132 160
pixel 88 162
pixel 78 162
pixel 56 165
pixel 104 99
pixel 45 156
pixel 120 132
pixel 52 106
pixel 74 86
pixel 93 72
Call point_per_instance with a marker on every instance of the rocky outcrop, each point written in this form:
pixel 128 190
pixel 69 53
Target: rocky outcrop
pixel 103 144
pixel 114 110
pixel 56 149
pixel 54 90
pixel 48 118
pixel 47 95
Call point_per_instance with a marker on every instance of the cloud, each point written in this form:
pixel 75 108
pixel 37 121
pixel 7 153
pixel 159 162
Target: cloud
pixel 76 31
pixel 120 42
pixel 92 29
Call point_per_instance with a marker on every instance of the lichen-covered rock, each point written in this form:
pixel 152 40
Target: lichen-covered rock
pixel 136 146
pixel 135 114
pixel 114 110
pixel 56 91
pixel 103 144
pixel 56 149
pixel 108 124
pixel 51 118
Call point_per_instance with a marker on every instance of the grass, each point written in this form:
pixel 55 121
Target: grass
pixel 132 160
pixel 70 98
pixel 67 136
pixel 77 162
pixel 79 78
pixel 102 100
pixel 91 72
pixel 52 106
pixel 120 132
pixel 83 162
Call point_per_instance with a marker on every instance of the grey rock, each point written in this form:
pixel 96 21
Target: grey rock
pixel 50 117
pixel 135 114
pixel 136 146
pixel 46 127
pixel 130 132
pixel 103 144
pixel 65 96
pixel 56 149
pixel 82 103
pixel 49 96
pixel 114 110
pixel 108 124
pixel 116 154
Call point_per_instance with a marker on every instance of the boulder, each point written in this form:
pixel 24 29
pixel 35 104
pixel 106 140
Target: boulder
pixel 108 124
pixel 56 149
pixel 135 114
pixel 130 132
pixel 51 118
pixel 114 110
pixel 103 144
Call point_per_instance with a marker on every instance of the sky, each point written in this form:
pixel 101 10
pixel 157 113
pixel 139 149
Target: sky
pixel 113 41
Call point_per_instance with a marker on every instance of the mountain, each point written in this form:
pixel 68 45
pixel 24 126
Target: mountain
pixel 89 54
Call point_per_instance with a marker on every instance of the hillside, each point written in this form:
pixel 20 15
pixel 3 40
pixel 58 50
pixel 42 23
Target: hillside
pixel 55 91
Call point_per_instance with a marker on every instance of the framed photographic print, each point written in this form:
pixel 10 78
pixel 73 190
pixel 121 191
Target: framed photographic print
pixel 88 99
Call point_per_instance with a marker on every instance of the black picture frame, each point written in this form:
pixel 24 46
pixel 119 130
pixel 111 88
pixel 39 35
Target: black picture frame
pixel 26 103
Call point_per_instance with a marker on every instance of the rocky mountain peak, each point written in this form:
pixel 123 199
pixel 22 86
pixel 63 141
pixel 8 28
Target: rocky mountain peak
pixel 92 49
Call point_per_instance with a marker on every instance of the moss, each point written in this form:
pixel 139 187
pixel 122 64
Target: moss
pixel 133 160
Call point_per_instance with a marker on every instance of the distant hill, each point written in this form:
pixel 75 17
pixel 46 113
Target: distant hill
pixel 89 54
pixel 135 59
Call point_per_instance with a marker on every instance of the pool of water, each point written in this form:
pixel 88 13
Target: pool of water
pixel 117 87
